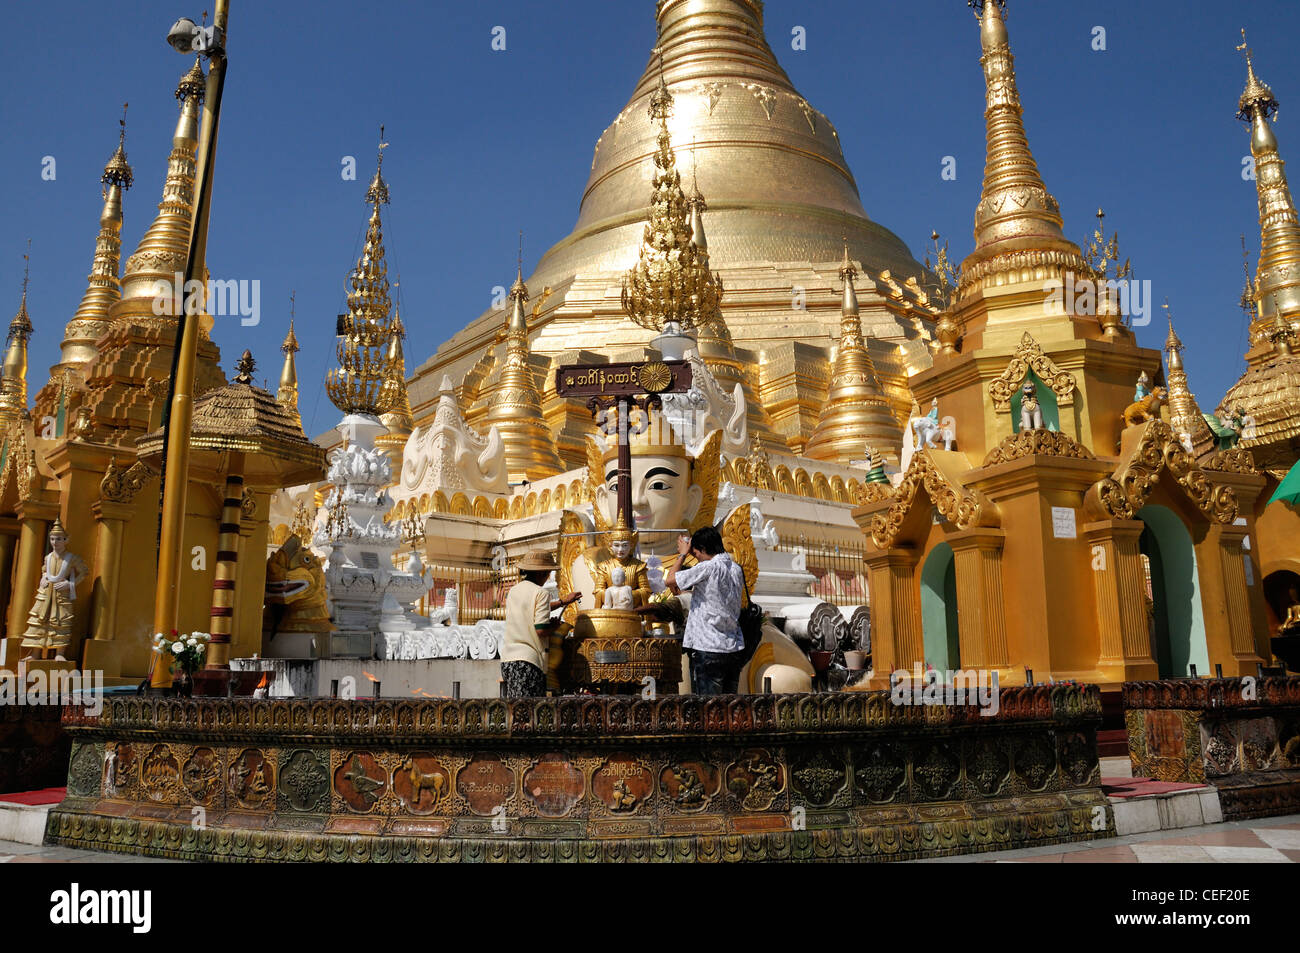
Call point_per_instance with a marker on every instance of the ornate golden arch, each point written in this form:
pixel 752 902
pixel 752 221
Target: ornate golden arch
pixel 962 507
pixel 1158 450
pixel 1029 356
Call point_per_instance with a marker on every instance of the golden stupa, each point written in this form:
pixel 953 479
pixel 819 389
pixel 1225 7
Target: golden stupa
pixel 781 195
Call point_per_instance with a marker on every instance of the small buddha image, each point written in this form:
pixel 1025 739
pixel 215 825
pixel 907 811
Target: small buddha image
pixel 618 595
pixel 49 625
pixel 632 571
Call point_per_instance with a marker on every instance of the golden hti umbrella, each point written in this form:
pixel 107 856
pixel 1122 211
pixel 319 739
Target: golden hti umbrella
pixel 243 436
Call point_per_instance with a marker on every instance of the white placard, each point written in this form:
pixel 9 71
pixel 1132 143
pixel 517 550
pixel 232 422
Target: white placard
pixel 1063 524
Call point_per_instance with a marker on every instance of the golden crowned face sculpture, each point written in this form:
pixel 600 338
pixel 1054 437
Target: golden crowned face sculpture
pixel 620 542
pixel 673 490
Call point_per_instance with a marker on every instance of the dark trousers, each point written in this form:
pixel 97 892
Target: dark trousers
pixel 523 680
pixel 714 673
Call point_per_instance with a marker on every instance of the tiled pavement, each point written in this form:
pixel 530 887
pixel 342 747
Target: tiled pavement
pixel 1274 840
pixel 1271 840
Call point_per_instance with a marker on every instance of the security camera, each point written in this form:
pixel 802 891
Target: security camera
pixel 181 35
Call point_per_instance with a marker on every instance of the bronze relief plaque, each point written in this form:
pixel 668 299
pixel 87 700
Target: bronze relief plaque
pixel 1165 737
pixel 159 772
pixel 202 775
pixel 622 784
pixel 360 781
pixel 422 784
pixel 690 784
pixel 250 779
pixel 553 785
pixel 486 784
pixel 756 780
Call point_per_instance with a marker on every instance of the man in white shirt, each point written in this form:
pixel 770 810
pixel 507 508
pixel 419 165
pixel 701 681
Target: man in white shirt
pixel 712 640
pixel 529 628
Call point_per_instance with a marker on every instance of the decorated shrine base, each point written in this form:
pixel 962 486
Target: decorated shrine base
pixel 844 776
pixel 1240 734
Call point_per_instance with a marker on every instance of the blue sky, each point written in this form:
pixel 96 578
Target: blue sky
pixel 485 143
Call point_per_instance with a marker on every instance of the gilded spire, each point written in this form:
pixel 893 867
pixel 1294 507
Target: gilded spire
pixel 398 418
pixel 103 289
pixel 1277 275
pixel 671 282
pixel 1185 415
pixel 287 394
pixel 1017 222
pixel 714 343
pixel 855 408
pixel 514 401
pixel 359 385
pixel 165 247
pixel 13 386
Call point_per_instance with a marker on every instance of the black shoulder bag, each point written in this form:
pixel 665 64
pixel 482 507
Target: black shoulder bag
pixel 751 624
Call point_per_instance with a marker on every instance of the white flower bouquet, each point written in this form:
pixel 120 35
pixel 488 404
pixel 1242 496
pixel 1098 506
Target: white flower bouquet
pixel 184 652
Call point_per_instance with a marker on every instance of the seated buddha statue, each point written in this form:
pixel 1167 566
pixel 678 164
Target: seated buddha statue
pixel 620 542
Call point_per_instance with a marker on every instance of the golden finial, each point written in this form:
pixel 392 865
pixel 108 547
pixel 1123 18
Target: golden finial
pixel 942 268
pixel 661 102
pixel 21 325
pixel 193 83
pixel 1257 95
pixel 118 170
pixel 377 193
pixel 245 366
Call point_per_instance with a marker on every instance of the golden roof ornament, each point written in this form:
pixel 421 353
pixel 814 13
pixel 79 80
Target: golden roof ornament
pixel 855 408
pixel 118 170
pixel 671 283
pixel 287 392
pixel 398 419
pixel 1017 222
pixel 1185 416
pixel 359 385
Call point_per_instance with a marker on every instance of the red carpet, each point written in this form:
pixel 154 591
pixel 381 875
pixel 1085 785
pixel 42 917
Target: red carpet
pixel 44 796
pixel 1140 787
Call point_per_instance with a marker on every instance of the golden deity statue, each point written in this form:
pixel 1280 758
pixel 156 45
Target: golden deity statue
pixel 49 625
pixel 621 544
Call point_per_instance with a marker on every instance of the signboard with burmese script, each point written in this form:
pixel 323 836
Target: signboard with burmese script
pixel 623 380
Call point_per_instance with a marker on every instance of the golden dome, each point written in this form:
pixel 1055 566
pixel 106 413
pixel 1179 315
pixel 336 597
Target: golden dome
pixel 779 186
pixel 1266 396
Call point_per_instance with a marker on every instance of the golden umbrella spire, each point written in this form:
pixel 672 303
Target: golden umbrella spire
pixel 162 252
pixel 1017 222
pixel 398 419
pixel 1185 415
pixel 514 401
pixel 1277 275
pixel 855 410
pixel 671 283
pixel 103 288
pixel 359 384
pixel 13 387
pixel 287 394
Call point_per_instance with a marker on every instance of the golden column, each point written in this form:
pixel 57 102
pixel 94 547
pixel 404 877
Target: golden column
pixel 33 518
pixel 898 638
pixel 1235 611
pixel 977 558
pixel 1119 586
pixel 180 413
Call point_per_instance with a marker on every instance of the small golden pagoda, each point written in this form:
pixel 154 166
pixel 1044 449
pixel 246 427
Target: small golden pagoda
pixel 856 413
pixel 1028 548
pixel 13 382
pixel 513 401
pixel 398 416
